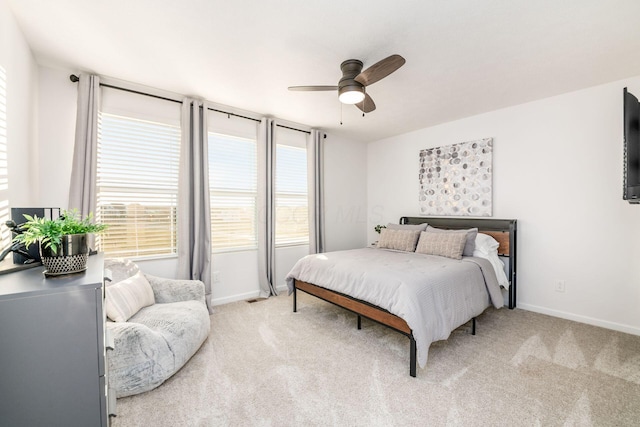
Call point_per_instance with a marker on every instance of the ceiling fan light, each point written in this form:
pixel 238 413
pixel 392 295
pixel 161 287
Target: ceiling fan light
pixel 351 95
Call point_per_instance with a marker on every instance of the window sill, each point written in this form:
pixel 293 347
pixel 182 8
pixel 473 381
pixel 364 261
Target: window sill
pixel 232 251
pixel 149 257
pixel 291 245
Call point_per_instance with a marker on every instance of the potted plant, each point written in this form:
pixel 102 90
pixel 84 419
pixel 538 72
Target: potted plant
pixel 63 241
pixel 378 228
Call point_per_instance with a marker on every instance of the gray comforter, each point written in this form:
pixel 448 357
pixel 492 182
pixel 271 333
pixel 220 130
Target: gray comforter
pixel 433 294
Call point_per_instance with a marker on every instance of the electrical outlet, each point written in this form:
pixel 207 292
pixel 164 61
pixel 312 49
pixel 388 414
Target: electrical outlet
pixel 216 277
pixel 560 285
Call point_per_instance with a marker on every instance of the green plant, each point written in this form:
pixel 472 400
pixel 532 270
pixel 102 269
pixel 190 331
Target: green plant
pixel 379 228
pixel 49 232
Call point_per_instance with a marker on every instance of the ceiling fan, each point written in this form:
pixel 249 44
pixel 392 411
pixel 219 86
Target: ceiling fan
pixel 351 87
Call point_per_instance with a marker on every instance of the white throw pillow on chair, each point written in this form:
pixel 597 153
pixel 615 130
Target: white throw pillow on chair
pixel 126 298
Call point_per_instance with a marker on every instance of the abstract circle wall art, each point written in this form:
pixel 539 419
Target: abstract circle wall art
pixel 456 180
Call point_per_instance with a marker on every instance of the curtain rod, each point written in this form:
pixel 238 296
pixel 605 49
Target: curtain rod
pixel 255 120
pixel 299 130
pixel 75 79
pixel 233 114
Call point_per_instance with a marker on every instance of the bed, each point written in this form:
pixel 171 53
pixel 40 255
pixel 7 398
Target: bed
pixel 409 292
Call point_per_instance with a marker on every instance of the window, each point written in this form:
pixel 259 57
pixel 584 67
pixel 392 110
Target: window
pixel 292 213
pixel 233 187
pixel 137 178
pixel 232 183
pixel 5 236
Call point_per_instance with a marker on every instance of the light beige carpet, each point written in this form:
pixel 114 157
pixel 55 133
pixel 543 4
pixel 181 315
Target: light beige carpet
pixel 266 366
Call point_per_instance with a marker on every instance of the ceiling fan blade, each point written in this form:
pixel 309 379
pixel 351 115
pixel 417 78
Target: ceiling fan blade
pixel 380 70
pixel 367 105
pixel 312 88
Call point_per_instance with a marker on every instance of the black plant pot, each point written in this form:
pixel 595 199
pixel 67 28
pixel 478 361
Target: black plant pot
pixel 70 257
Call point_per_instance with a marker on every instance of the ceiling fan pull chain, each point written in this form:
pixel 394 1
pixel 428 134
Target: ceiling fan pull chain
pixel 365 93
pixel 341 114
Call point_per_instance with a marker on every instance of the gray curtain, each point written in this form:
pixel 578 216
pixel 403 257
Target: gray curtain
pixel 315 168
pixel 266 208
pixel 194 215
pixel 82 191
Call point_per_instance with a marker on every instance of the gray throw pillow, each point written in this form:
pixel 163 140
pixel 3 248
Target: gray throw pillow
pixel 419 227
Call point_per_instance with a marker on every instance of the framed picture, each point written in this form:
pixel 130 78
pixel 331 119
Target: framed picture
pixel 456 180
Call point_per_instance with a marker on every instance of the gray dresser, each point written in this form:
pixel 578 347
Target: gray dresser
pixel 52 348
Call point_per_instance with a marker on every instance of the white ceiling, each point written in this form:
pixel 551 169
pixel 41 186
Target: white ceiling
pixel 464 57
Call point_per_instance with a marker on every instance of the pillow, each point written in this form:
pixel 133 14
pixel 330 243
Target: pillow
pixel 487 248
pixel 126 298
pixel 419 227
pixel 471 234
pixel 486 244
pixel 442 243
pixel 401 240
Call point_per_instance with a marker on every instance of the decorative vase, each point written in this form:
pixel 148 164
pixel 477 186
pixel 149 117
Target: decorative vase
pixel 70 257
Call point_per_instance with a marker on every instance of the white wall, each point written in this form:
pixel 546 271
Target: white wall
pixel 21 71
pixel 56 134
pixel 237 272
pixel 345 194
pixel 558 171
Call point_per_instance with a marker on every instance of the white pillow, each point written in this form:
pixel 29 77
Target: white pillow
pixel 126 298
pixel 486 244
pixel 487 248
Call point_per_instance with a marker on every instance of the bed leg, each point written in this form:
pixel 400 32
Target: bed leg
pixel 412 356
pixel 295 302
pixel 473 326
pixel 359 322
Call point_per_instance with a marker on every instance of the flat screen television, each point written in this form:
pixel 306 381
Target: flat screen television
pixel 631 186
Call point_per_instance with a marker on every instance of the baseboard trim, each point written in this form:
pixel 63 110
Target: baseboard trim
pixel 234 298
pixel 529 307
pixel 245 296
pixel 582 319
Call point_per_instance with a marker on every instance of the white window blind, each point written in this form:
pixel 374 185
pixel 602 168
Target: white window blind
pixel 137 182
pixel 5 234
pixel 292 218
pixel 232 183
pixel 233 186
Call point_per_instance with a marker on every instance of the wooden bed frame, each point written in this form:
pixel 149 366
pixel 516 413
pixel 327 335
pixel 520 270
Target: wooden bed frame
pixel 503 230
